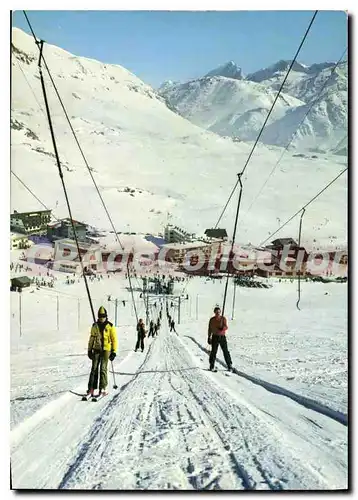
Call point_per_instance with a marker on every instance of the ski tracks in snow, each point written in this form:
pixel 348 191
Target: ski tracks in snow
pixel 172 425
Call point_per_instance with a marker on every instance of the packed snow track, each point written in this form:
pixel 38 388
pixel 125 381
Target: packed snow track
pixel 171 424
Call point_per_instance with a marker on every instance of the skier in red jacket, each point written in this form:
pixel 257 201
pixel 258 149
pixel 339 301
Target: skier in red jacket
pixel 216 336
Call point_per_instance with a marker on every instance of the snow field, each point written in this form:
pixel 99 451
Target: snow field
pixel 305 351
pixel 171 424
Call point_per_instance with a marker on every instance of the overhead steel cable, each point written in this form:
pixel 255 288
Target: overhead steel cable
pixel 29 190
pixel 304 207
pixel 230 257
pixel 53 138
pixel 269 114
pixel 341 142
pixel 299 272
pixel 232 248
pixel 314 102
pixel 87 165
pixel 33 93
pixel 28 83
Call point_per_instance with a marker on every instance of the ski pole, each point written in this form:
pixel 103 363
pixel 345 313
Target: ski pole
pixel 115 386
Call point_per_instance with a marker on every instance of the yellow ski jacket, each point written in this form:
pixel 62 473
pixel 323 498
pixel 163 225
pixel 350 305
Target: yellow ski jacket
pixel 106 341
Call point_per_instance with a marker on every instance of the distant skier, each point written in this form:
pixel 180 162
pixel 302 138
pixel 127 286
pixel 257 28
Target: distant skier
pixel 216 336
pixel 124 303
pixel 151 328
pixel 102 346
pixel 141 333
pixel 172 326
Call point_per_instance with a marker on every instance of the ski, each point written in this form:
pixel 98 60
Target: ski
pixel 88 397
pixel 94 399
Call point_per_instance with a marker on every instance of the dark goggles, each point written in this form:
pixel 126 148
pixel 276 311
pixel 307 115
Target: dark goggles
pixel 102 315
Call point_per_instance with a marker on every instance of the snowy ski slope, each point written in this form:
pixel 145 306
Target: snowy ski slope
pixel 280 421
pixel 171 424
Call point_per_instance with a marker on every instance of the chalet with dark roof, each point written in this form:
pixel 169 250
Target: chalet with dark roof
pixel 216 233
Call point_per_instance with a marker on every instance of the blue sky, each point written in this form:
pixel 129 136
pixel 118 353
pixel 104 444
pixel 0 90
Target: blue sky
pixel 158 46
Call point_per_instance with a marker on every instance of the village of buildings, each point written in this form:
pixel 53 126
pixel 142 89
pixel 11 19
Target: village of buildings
pixel 51 243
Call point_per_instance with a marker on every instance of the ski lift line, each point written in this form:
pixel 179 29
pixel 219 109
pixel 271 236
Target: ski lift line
pixel 85 160
pixel 341 141
pixel 88 167
pixel 297 129
pixel 33 93
pixel 270 111
pixel 305 206
pixel 62 178
pixel 232 245
pixel 280 90
pixel 299 273
pixel 30 86
pixel 29 190
pixel 75 137
pixel 144 300
pixel 225 207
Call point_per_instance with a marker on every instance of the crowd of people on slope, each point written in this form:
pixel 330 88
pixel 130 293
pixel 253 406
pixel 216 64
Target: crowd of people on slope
pixel 19 267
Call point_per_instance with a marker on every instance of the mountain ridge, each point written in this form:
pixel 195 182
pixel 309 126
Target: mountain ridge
pixel 239 116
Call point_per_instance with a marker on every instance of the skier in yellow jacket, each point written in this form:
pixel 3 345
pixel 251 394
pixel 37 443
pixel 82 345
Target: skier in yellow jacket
pixel 102 346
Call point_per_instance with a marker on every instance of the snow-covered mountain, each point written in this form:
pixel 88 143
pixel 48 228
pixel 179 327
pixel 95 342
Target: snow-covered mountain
pixel 239 108
pixel 167 84
pixel 229 70
pixel 278 68
pixel 131 139
pixel 227 106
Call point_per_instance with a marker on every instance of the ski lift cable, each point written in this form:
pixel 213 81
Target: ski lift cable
pixel 299 272
pixel 341 141
pixel 29 190
pixel 232 246
pixel 40 45
pixel 85 160
pixel 305 206
pixel 314 102
pixel 86 163
pixel 247 162
pixel 33 93
pixel 30 86
pixel 269 114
